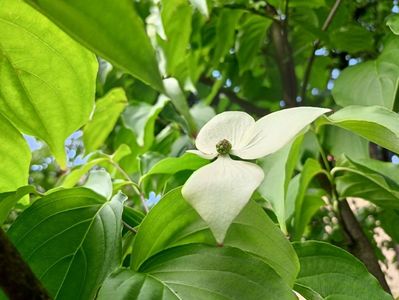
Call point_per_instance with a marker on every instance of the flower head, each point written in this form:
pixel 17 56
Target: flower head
pixel 221 189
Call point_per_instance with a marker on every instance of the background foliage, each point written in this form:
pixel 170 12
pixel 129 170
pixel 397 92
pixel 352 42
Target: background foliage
pixel 100 100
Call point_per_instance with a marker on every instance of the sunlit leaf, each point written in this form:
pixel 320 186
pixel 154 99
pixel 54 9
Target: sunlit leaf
pixel 47 79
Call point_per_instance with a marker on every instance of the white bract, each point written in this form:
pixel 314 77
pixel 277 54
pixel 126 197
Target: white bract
pixel 221 189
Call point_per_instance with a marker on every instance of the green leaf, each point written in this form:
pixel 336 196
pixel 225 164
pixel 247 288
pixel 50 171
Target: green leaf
pixel 172 165
pixel 111 29
pixel 250 39
pixel 375 123
pixel 106 114
pixel 393 23
pixel 370 83
pixel 100 182
pixel 140 119
pixel 390 223
pixel 71 239
pixel 305 207
pixel 278 168
pixel 362 179
pixel 202 6
pixel 176 95
pixel 15 157
pixel 352 39
pixel 48 80
pixel 338 141
pixel 131 216
pixel 176 19
pixel 335 274
pixel 9 199
pixel 174 222
pixel 225 27
pixel 198 272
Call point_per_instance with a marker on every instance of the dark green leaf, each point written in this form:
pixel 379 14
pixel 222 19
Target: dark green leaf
pixel 335 274
pixel 71 240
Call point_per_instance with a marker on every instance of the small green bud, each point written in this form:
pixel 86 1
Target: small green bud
pixel 223 147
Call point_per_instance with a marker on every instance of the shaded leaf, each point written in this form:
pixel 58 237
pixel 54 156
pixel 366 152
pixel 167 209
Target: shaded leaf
pixel 335 274
pixel 66 228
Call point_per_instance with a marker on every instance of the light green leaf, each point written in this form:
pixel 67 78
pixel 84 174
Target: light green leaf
pixel 140 119
pixel 202 6
pixel 111 29
pixel 65 228
pixel 250 39
pixel 278 168
pixel 335 274
pixel 338 141
pixel 375 123
pixel 172 165
pixel 9 199
pixel 199 272
pixel 174 222
pixel 48 80
pixel 370 83
pixel 176 95
pixel 362 179
pixel 202 114
pixel 393 23
pixel 106 114
pixel 100 182
pixel 15 156
pixel 176 19
pixel 305 207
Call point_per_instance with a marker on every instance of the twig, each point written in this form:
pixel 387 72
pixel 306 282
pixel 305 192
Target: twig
pixel 316 45
pixel 16 277
pixel 130 228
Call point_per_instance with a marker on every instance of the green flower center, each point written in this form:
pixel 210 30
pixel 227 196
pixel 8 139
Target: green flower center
pixel 223 147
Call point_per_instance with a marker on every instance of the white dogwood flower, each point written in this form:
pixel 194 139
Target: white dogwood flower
pixel 221 189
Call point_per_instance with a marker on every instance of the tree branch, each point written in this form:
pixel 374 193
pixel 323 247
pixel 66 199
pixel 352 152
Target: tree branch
pixel 285 61
pixel 246 105
pixel 316 45
pixel 16 277
pixel 359 245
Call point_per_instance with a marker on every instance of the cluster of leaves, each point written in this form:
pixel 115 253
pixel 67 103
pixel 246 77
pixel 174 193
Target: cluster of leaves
pixel 133 82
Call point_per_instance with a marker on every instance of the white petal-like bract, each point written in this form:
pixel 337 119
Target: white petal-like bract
pixel 231 125
pixel 220 190
pixel 201 154
pixel 274 131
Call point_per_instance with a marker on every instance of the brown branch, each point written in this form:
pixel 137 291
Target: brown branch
pixel 316 45
pixel 285 61
pixel 16 277
pixel 359 245
pixel 234 98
